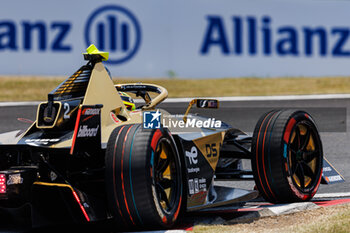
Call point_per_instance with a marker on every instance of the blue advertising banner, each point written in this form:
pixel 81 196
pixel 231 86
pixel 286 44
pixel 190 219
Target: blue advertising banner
pixel 186 38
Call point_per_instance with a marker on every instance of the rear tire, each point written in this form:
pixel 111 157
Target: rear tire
pixel 143 177
pixel 287 156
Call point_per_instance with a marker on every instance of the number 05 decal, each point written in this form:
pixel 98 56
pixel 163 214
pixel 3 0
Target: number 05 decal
pixel 211 150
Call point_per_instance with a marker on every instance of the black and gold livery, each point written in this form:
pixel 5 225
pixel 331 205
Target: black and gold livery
pixel 87 157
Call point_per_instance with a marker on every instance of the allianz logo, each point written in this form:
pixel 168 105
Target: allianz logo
pixel 110 27
pixel 250 35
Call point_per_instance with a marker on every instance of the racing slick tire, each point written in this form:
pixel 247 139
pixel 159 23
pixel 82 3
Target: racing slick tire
pixel 287 156
pixel 143 177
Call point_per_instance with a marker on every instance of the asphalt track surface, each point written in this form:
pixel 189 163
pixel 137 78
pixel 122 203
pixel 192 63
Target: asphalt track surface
pixel 331 116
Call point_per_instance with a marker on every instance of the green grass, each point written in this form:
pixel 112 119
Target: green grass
pixel 334 219
pixel 337 223
pixel 36 88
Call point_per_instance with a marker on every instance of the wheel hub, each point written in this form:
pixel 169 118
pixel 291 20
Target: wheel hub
pixel 299 155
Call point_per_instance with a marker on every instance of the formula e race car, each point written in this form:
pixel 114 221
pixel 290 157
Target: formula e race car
pixel 92 155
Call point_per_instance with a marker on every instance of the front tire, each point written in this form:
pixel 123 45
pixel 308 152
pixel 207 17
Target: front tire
pixel 287 156
pixel 143 177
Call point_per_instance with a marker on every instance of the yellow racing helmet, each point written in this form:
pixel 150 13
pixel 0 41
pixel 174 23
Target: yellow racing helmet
pixel 127 100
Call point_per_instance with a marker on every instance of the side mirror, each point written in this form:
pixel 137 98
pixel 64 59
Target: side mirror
pixel 207 103
pixel 201 103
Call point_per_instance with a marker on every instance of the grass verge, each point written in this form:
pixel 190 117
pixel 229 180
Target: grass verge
pixel 335 219
pixel 37 88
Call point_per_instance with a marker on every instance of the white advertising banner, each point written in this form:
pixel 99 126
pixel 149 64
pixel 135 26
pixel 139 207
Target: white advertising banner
pixel 185 38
